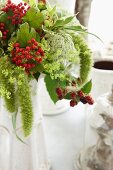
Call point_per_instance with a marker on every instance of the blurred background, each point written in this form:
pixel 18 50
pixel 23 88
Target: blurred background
pixel 97 16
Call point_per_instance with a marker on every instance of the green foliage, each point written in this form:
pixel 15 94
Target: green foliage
pixel 14 87
pixel 62 50
pixel 51 86
pixel 8 24
pixel 87 87
pixel 52 11
pixel 60 55
pixel 85 57
pixel 25 104
pixel 7 90
pixel 62 22
pixel 25 33
pixel 34 17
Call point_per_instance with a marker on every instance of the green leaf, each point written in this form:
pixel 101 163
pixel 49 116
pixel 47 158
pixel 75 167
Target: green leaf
pixel 42 6
pixel 82 30
pixel 69 19
pixel 25 33
pixel 8 23
pixel 62 22
pixel 87 87
pixel 95 36
pixel 62 84
pixel 51 86
pixel 59 23
pixel 34 17
pixel 76 28
pixel 14 117
pixel 39 68
pixel 53 11
pixel 68 97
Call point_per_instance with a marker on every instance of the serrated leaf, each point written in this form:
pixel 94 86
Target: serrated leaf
pixel 51 86
pixel 25 33
pixel 87 87
pixel 34 17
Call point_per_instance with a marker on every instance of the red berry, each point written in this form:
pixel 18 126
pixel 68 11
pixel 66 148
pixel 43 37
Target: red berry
pixel 5 33
pixel 40 60
pixel 89 100
pixel 37 53
pixel 42 53
pixel 34 47
pixel 59 91
pixel 28 48
pixel 40 50
pixel 73 103
pixel 25 4
pixel 80 93
pixel 2 24
pixel 33 40
pixel 83 100
pixel 60 97
pixel 73 95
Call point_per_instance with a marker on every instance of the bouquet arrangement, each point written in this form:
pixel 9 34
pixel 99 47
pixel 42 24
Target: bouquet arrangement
pixel 36 39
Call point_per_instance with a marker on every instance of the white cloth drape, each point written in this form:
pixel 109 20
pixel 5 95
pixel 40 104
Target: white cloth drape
pixel 14 155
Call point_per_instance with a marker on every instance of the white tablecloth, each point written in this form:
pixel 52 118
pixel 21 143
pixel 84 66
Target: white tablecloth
pixel 65 136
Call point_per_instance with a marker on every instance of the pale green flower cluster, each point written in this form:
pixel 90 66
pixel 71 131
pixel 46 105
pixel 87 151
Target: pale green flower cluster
pixel 60 56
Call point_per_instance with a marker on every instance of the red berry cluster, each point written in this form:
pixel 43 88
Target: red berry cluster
pixel 80 96
pixel 75 97
pixel 18 11
pixel 4 32
pixel 85 98
pixel 27 57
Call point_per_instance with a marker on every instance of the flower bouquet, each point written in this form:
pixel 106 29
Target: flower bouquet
pixel 37 39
